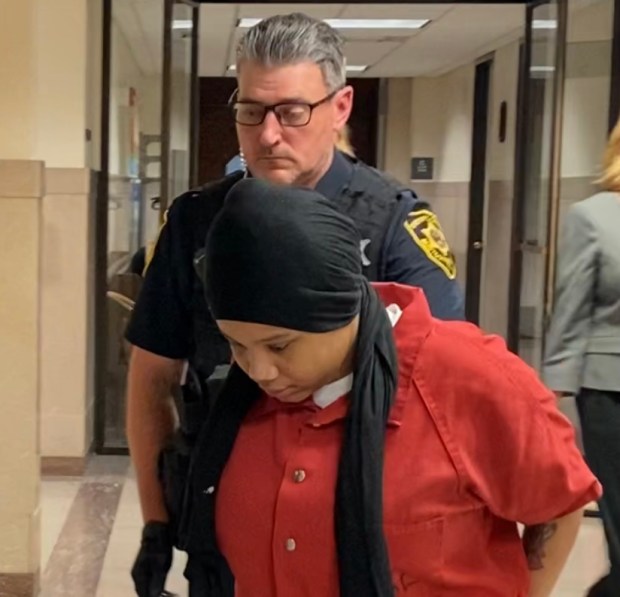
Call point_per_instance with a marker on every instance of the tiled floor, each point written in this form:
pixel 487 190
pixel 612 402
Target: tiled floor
pixel 67 506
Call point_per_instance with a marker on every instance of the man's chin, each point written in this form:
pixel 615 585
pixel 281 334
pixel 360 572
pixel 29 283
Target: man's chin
pixel 281 176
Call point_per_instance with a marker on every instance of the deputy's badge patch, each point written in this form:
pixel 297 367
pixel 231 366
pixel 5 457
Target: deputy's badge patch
pixel 424 228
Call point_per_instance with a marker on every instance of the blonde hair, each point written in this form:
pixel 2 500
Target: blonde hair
pixel 343 141
pixel 610 181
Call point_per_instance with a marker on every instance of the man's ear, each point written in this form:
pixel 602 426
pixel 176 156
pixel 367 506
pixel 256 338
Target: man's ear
pixel 343 104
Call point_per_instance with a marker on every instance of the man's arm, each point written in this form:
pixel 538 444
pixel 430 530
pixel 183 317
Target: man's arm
pixel 150 422
pixel 160 331
pixel 547 547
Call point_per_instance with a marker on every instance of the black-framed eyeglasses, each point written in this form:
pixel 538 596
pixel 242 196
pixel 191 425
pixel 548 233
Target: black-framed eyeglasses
pixel 294 114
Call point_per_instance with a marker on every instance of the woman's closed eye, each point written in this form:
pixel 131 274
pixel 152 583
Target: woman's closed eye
pixel 277 348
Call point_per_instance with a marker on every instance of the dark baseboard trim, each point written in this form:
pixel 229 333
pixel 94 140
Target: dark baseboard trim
pixel 19 584
pixel 63 466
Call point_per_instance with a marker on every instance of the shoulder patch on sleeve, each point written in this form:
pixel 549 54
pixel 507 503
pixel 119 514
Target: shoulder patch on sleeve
pixel 423 227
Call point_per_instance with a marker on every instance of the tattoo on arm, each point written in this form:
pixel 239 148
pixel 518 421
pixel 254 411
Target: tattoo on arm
pixel 534 540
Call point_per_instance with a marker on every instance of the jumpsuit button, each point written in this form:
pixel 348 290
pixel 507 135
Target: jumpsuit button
pixel 291 545
pixel 299 476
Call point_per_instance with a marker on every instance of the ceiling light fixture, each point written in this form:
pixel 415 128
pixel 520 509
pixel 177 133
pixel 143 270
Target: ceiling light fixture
pixel 544 24
pixel 356 23
pixel 351 68
pixel 542 69
pixel 182 24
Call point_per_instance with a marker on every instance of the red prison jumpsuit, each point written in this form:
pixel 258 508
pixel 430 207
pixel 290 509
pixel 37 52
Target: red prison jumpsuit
pixel 474 443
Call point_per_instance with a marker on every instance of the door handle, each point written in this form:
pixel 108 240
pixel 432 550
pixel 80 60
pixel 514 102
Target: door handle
pixel 478 245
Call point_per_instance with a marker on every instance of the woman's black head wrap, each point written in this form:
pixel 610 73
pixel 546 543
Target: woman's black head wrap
pixel 284 257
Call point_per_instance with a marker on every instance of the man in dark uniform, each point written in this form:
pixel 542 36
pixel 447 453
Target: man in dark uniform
pixel 291 102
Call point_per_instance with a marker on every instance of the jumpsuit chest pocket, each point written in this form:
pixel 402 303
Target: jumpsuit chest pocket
pixel 416 557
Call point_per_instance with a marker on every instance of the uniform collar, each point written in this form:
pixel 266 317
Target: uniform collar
pixel 414 325
pixel 336 177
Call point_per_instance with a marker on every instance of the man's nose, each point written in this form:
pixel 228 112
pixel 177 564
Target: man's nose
pixel 271 131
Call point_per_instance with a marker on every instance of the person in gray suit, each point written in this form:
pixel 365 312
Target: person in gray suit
pixel 583 345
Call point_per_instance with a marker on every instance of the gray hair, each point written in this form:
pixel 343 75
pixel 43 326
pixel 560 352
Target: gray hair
pixel 290 39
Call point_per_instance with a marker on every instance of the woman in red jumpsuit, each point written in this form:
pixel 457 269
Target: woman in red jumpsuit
pixel 360 447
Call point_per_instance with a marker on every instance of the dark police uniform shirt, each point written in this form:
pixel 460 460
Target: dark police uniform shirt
pixel 162 321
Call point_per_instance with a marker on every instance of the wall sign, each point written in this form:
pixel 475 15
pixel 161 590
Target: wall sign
pixel 422 168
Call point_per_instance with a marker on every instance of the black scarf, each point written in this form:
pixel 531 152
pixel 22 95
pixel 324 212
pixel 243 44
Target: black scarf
pixel 285 257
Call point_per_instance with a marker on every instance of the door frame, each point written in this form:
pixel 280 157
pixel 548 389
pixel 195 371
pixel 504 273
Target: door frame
pixel 478 188
pixel 166 106
pixel 518 206
pixel 101 311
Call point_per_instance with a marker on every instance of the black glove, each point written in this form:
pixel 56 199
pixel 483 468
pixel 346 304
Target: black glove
pixel 154 559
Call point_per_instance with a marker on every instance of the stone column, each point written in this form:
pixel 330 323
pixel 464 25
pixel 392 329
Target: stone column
pixel 21 192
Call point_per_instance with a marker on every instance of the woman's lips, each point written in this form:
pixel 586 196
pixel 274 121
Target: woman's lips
pixel 279 392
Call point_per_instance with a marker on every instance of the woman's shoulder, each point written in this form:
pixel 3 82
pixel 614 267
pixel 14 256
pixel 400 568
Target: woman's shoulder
pixel 460 363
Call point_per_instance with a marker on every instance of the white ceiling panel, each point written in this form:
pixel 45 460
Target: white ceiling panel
pixel 319 11
pixel 394 11
pixel 364 53
pixel 460 36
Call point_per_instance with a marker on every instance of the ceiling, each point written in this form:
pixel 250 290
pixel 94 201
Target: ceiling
pixel 141 23
pixel 455 35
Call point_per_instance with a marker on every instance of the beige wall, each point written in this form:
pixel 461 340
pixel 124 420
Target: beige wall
pixel 18 73
pixel 431 117
pixel 50 41
pixel 397 129
pixel 61 82
pixel 93 83
pixel 441 122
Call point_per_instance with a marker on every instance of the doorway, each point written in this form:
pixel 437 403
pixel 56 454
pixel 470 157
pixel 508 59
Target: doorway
pixel 477 190
pixel 537 168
